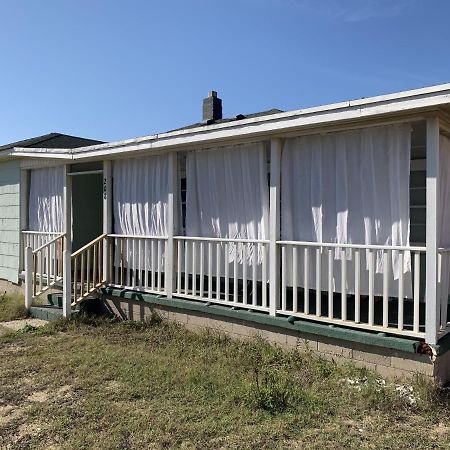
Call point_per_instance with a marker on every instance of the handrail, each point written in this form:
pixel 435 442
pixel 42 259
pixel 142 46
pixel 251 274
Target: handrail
pixel 40 232
pixel 355 246
pixel 236 240
pixel 136 236
pixel 88 245
pixel 48 243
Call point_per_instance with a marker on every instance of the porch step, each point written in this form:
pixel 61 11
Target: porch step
pixel 46 312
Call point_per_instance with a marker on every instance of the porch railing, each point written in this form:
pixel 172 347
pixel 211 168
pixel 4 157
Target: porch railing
pixel 88 269
pixel 309 288
pixel 44 265
pixel 35 239
pixel 225 271
pixel 346 284
pixel 137 262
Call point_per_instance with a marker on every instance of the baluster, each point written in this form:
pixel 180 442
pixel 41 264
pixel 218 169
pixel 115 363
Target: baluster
pixel 386 275
pixel 75 278
pixel 235 274
pixel 330 284
pixel 209 270
pixel 202 269
pixel 244 273
pixel 400 291
pixel 227 273
pixel 153 272
pixel 88 270
pixel 294 279
pixel 371 286
pixel 318 282
pixel 82 275
pixel 344 285
pixel 306 280
pixel 139 264
pixel 254 274
pixel 194 268
pixel 179 256
pixel 283 277
pixel 264 275
pixel 357 285
pixel 218 271
pixel 159 265
pixel 416 322
pixel 95 266
pixel 186 267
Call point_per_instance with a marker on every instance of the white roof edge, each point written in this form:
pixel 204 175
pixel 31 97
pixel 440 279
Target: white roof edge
pixel 403 101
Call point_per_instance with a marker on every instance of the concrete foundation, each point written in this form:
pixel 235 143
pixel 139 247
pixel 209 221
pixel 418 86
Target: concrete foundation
pixel 388 362
pixel 11 288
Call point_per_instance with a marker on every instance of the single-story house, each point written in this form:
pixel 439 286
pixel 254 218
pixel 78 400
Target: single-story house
pixel 325 227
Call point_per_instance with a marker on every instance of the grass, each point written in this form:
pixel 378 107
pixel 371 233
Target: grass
pixel 12 307
pixel 101 384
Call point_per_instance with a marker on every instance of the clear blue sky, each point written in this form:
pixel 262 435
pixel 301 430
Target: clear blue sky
pixel 112 69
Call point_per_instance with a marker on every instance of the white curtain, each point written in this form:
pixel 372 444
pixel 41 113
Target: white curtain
pixel 45 207
pixel 443 224
pixel 140 192
pixel 227 196
pixel 349 188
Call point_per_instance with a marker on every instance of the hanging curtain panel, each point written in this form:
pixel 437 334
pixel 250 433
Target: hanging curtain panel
pixel 45 207
pixel 140 192
pixel 444 218
pixel 349 188
pixel 227 197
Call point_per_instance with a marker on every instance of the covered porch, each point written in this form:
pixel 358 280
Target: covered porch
pixel 391 275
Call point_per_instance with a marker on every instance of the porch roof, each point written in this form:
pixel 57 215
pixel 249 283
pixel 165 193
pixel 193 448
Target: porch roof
pixel 402 106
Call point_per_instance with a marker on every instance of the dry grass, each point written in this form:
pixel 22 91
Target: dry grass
pixel 12 307
pixel 99 384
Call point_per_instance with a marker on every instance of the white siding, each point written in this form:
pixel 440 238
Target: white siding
pixel 9 220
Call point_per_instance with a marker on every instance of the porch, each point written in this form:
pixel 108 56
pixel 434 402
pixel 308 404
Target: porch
pixel 337 284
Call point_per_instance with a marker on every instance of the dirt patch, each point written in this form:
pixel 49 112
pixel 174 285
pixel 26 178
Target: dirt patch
pixel 38 396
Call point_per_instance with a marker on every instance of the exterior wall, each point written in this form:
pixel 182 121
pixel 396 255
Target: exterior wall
pixel 9 220
pixel 387 362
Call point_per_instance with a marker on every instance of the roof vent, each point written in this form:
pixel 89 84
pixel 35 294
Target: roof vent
pixel 212 107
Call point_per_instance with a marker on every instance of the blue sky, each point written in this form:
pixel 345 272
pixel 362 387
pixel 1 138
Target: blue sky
pixel 115 69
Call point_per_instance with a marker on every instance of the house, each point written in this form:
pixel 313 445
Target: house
pixel 324 227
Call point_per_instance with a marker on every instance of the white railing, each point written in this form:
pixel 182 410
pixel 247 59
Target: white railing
pixel 137 262
pixel 35 239
pixel 225 271
pixel 88 269
pixel 44 265
pixel 348 289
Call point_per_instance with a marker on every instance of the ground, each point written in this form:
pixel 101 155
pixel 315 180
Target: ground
pixel 102 384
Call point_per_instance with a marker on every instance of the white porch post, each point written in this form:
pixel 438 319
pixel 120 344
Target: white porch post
pixel 169 275
pixel 67 270
pixel 107 217
pixel 274 225
pixel 28 277
pixel 431 291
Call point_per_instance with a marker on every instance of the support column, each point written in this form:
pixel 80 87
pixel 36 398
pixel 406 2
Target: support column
pixel 67 269
pixel 107 217
pixel 172 209
pixel 431 291
pixel 274 225
pixel 28 277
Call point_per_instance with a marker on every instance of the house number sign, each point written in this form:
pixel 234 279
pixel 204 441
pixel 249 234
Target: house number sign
pixel 105 189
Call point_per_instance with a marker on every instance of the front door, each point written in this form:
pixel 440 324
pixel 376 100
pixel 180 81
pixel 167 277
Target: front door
pixel 87 208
